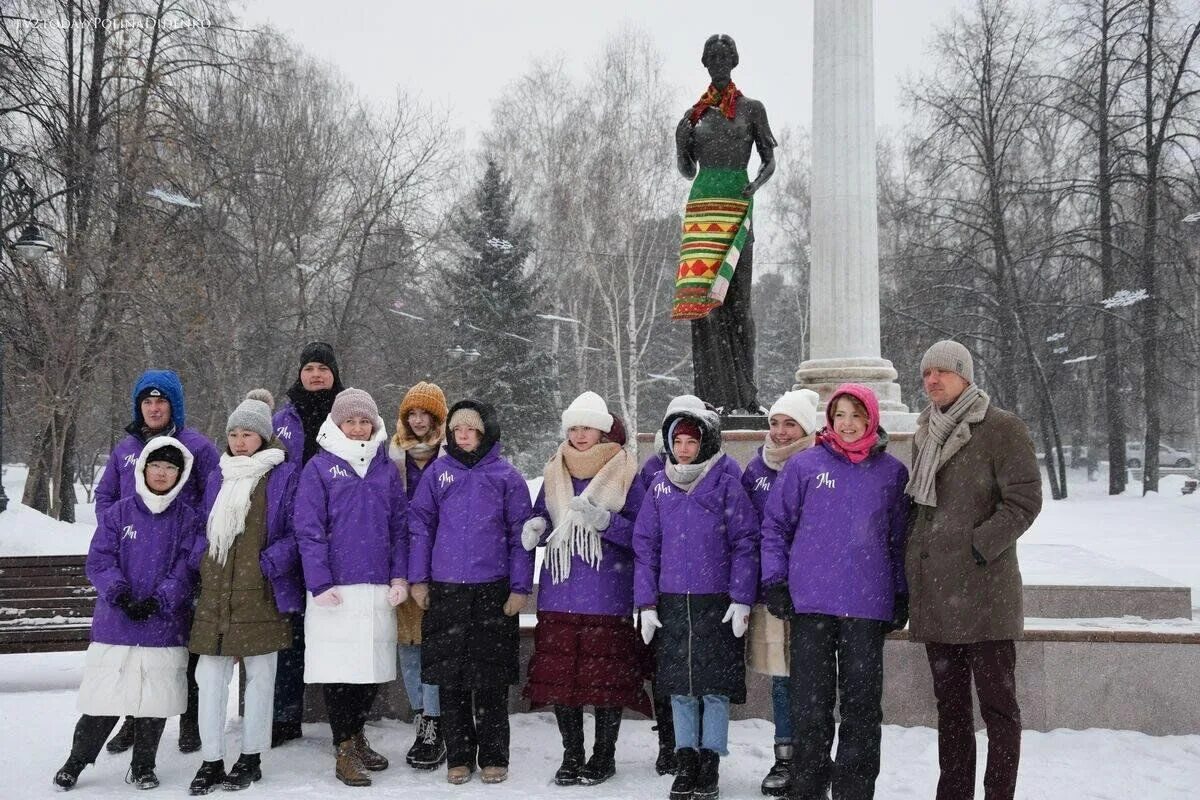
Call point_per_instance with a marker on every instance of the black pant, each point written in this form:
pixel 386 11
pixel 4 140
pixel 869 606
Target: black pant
pixel 348 705
pixel 832 657
pixel 993 665
pixel 91 733
pixel 475 731
pixel 723 343
pixel 189 720
pixel 289 677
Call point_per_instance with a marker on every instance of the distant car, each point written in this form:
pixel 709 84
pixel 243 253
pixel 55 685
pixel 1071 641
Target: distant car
pixel 1167 456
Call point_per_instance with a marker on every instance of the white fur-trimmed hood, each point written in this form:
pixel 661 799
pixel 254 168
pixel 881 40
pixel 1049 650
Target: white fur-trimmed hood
pixel 158 503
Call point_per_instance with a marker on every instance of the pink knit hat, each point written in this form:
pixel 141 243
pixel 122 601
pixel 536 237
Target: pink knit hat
pixel 353 403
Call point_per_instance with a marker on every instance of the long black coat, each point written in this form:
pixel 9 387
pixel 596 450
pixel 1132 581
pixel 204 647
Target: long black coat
pixel 696 653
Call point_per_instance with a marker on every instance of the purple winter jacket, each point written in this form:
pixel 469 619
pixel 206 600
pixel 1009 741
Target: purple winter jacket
pixel 350 529
pixel 703 542
pixel 289 430
pixel 835 531
pixel 757 481
pixel 280 556
pixel 117 481
pixel 146 555
pixel 654 465
pixel 465 524
pixel 607 590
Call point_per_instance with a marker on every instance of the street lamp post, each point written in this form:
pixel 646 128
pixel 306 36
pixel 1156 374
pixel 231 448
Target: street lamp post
pixel 29 247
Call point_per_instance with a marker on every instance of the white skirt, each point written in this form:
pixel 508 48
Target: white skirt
pixel 354 642
pixel 120 680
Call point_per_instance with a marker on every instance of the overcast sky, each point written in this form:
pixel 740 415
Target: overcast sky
pixel 459 54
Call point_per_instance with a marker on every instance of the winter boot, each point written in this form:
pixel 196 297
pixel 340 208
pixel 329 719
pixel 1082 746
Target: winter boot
pixel 124 738
pixel 429 750
pixel 282 732
pixel 142 776
pixel 418 727
pixel 494 774
pixel 665 725
pixel 778 782
pixel 68 774
pixel 210 775
pixel 570 726
pixel 374 762
pixel 189 738
pixel 349 769
pixel 687 763
pixel 706 778
pixel 246 770
pixel 602 765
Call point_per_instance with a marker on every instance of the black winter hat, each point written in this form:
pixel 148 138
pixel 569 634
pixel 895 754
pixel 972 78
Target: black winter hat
pixel 151 391
pixel 322 353
pixel 168 453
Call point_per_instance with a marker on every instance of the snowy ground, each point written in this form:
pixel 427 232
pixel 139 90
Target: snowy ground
pixel 37 713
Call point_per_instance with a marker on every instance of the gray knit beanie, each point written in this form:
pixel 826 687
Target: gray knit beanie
pixel 950 356
pixel 252 415
pixel 353 403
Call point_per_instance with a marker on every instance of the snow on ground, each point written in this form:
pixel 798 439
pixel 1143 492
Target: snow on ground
pixel 37 715
pixel 25 532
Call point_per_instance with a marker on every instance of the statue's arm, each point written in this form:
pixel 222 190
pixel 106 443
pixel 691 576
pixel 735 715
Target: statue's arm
pixel 764 142
pixel 685 157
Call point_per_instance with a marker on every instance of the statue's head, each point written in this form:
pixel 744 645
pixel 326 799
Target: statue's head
pixel 720 53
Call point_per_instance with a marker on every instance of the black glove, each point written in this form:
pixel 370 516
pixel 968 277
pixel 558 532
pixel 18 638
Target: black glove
pixel 143 610
pixel 778 601
pixel 125 602
pixel 899 613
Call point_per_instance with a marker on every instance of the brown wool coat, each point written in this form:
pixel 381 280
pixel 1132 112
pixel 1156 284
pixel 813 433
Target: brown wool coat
pixel 988 494
pixel 236 613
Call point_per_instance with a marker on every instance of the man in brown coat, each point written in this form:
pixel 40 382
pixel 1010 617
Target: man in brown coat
pixel 976 489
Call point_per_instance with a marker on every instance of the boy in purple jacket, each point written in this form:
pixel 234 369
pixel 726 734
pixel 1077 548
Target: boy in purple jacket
pixel 695 549
pixel 833 540
pixel 137 662
pixel 471 574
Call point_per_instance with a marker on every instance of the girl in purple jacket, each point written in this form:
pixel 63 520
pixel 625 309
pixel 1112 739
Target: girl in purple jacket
pixel 833 567
pixel 585 652
pixel 351 527
pixel 137 661
pixel 695 576
pixel 472 576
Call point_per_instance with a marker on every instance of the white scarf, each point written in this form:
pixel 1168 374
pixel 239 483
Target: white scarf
pixel 358 455
pixel 239 476
pixel 688 476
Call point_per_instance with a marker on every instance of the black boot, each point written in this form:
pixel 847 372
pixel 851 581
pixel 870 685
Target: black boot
pixel 778 782
pixel 429 750
pixel 124 738
pixel 210 775
pixel 706 778
pixel 687 763
pixel 245 771
pixel 68 774
pixel 570 726
pixel 282 732
pixel 665 725
pixel 142 776
pixel 418 727
pixel 189 734
pixel 602 765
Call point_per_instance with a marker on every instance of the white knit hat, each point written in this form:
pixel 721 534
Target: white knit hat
pixel 588 410
pixel 800 405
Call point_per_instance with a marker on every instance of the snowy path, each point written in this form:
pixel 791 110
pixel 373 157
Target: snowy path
pixel 37 712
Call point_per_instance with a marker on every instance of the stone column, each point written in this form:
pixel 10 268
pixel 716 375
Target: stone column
pixel 844 281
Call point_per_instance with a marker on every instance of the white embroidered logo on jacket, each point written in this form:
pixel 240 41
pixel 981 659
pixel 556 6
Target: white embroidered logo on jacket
pixel 661 488
pixel 283 432
pixel 130 460
pixel 129 532
pixel 338 472
pixel 763 484
pixel 823 480
pixel 444 480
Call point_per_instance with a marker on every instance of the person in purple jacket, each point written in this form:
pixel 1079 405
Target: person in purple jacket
pixel 158 410
pixel 250 584
pixel 136 663
pixel 833 539
pixel 695 549
pixel 297 424
pixel 352 529
pixel 471 574
pixel 585 652
pixel 793 421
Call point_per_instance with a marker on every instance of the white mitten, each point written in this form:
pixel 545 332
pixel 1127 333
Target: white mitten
pixel 738 615
pixel 649 621
pixel 531 532
pixel 593 515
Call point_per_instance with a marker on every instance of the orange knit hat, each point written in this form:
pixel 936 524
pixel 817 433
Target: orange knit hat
pixel 424 397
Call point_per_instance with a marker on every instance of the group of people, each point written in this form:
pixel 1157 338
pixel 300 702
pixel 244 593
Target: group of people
pixel 316 550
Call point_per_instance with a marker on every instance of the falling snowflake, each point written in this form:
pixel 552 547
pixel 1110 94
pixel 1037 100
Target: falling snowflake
pixel 1125 298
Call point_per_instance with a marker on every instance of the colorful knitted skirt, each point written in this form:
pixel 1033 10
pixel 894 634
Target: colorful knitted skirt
pixel 715 226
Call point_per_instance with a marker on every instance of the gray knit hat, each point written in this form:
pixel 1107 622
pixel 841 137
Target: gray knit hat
pixel 353 403
pixel 950 356
pixel 252 415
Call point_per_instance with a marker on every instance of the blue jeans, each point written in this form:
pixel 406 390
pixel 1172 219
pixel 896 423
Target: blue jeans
pixel 421 696
pixel 781 705
pixel 685 711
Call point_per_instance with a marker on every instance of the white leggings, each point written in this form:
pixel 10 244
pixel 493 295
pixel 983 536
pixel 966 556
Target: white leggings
pixel 213 674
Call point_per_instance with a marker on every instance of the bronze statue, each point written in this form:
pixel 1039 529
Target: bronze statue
pixel 712 286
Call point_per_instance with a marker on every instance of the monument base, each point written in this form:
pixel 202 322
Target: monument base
pixel 824 375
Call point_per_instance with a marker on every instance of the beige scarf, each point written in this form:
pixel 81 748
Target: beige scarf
pixel 775 457
pixel 940 435
pixel 611 469
pixel 420 452
pixel 688 476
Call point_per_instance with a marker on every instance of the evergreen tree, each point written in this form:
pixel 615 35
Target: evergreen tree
pixel 489 305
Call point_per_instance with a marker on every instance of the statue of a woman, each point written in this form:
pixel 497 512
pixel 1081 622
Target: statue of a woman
pixel 712 286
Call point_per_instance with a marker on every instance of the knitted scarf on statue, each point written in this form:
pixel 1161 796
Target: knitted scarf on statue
pixel 239 476
pixel 611 469
pixel 725 100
